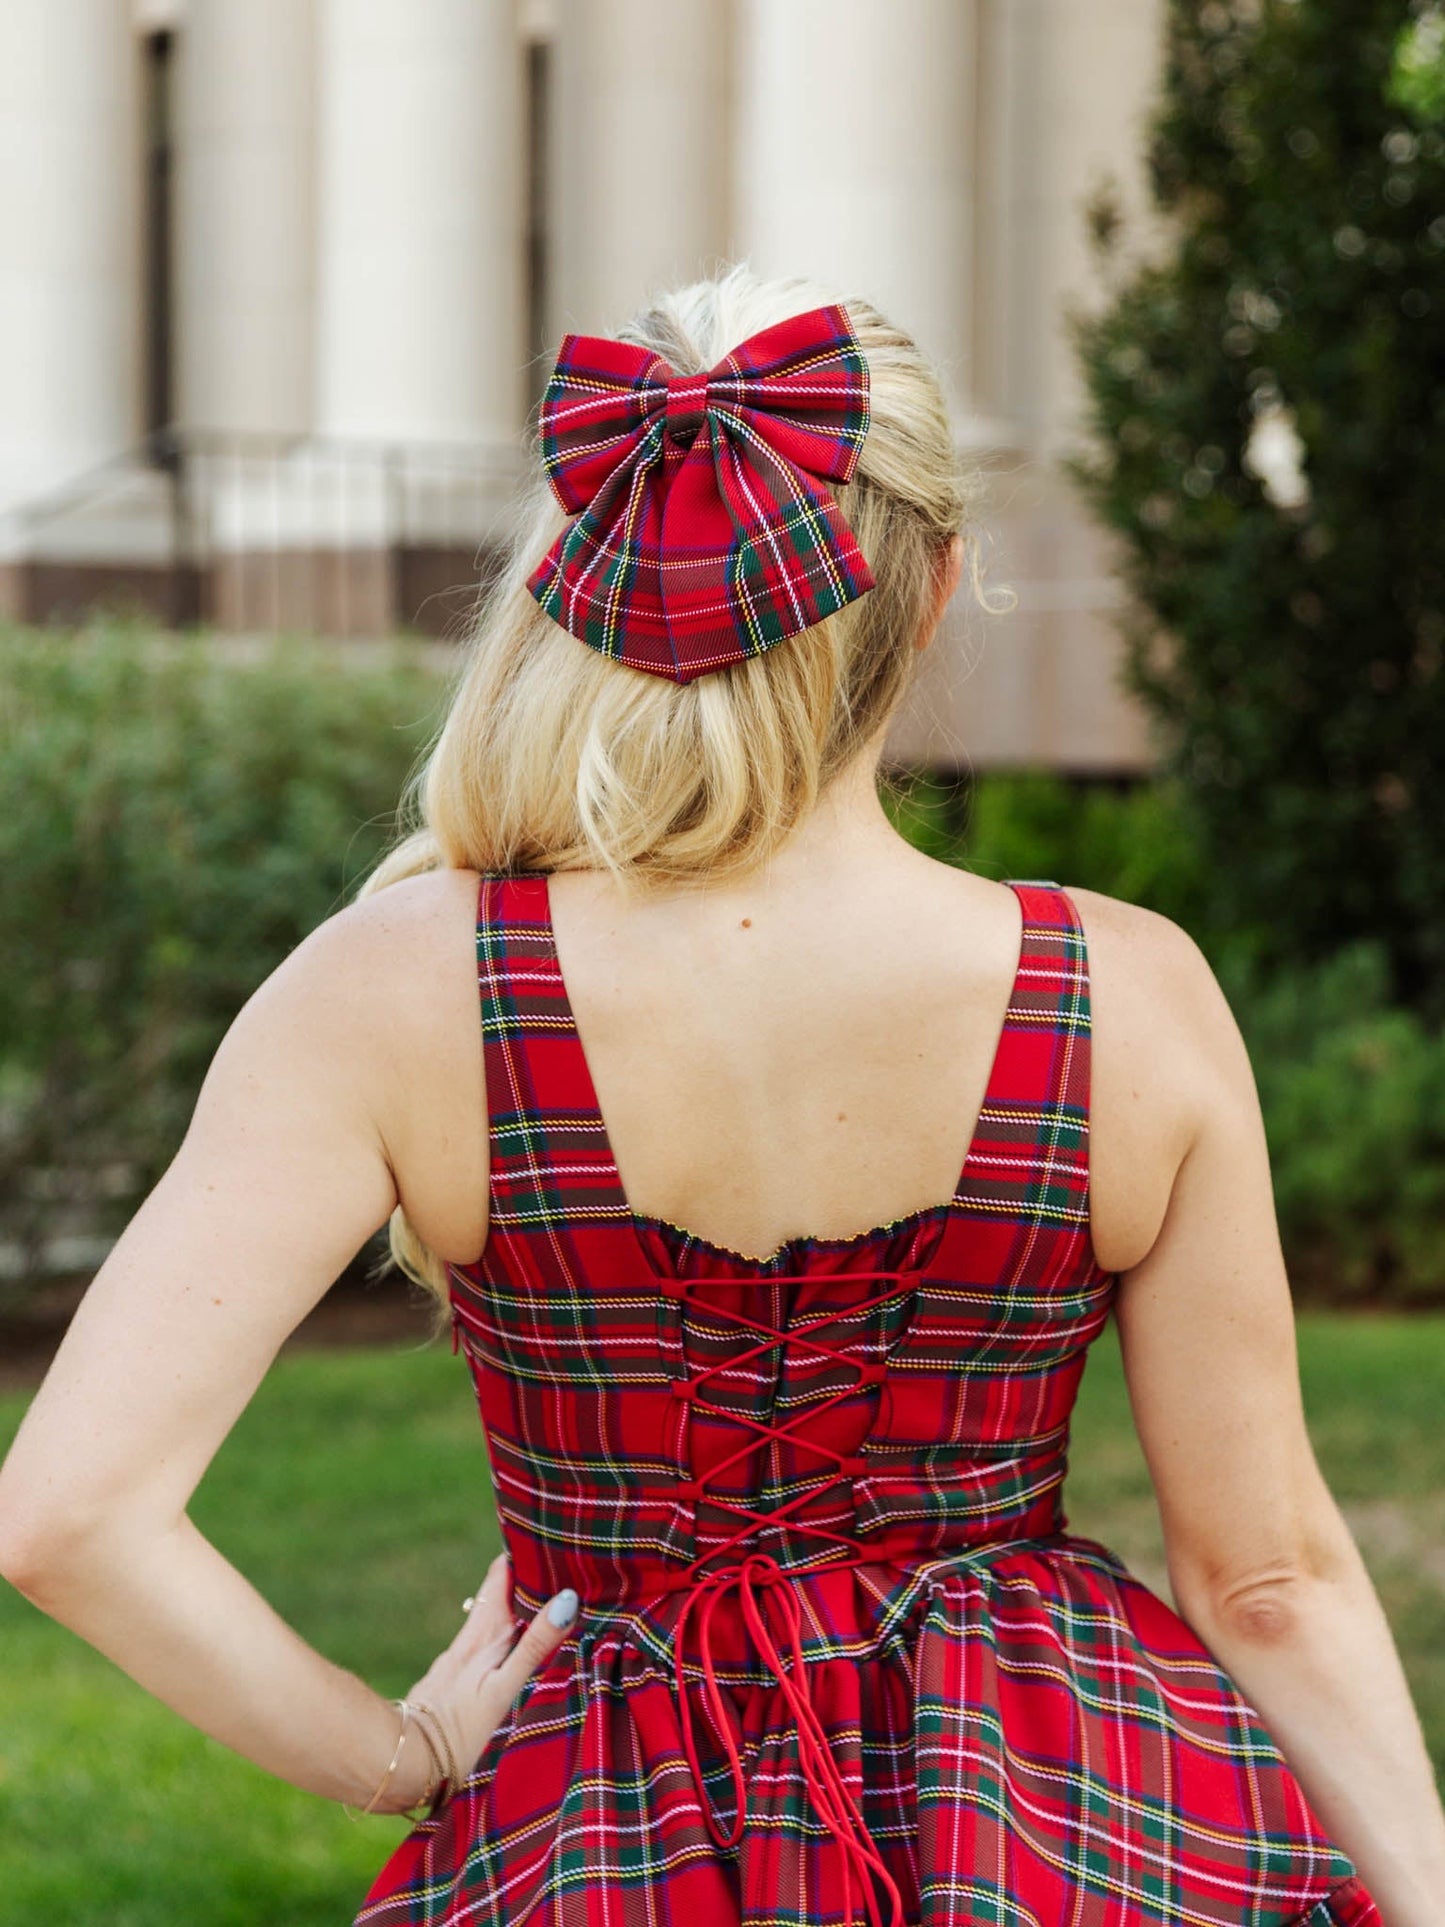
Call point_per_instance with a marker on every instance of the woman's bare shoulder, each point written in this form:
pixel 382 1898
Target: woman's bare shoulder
pixel 1165 1050
pixel 1151 969
pixel 421 908
pixel 1128 929
pixel 390 981
pixel 389 942
pixel 386 982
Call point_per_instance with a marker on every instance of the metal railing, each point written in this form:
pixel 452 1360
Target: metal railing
pixel 259 532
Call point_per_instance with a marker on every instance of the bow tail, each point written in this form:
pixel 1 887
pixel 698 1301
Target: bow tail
pixel 793 559
pixel 601 580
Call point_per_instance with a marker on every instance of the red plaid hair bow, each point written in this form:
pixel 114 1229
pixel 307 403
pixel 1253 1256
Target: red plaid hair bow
pixel 705 531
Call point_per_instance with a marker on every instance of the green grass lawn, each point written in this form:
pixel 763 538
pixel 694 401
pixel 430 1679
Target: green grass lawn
pixel 354 1493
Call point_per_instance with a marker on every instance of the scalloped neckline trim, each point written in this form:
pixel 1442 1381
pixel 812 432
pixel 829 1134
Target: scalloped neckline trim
pixel 814 1241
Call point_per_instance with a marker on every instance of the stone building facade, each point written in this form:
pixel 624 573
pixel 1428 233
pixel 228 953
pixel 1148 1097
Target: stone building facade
pixel 280 281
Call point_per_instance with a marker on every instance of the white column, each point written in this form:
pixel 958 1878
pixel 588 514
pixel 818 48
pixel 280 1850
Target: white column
pixel 639 124
pixel 245 215
pixel 853 157
pixel 420 228
pixel 1074 82
pixel 1066 88
pixel 69 240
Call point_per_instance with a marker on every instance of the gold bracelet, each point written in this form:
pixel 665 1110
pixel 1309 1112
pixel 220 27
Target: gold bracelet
pixel 430 1722
pixel 428 1718
pixel 431 1798
pixel 396 1755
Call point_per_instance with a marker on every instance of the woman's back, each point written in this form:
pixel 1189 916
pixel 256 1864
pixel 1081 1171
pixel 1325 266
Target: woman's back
pixel 806 1052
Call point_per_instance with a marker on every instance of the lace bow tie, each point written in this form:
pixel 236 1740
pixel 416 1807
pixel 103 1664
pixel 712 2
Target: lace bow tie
pixel 705 528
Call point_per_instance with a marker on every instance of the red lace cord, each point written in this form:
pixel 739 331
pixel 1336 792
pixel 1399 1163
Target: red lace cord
pixel 829 1791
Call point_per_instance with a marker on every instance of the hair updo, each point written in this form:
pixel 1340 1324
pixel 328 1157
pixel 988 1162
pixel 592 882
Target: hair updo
pixel 552 757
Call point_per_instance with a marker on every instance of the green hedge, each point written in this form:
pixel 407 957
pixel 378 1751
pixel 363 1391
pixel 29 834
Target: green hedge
pixel 173 820
pixel 175 816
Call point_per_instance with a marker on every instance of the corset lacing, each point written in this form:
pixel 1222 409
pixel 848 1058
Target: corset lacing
pixel 757 1577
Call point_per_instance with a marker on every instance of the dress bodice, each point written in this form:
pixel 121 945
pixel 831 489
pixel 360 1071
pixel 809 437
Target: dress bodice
pixel 839 1656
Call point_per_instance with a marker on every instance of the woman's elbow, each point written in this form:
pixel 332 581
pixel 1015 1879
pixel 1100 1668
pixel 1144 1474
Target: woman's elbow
pixel 1267 1601
pixel 43 1548
pixel 1265 1610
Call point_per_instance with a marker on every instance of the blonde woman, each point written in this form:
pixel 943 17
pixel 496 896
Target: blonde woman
pixel 773 1180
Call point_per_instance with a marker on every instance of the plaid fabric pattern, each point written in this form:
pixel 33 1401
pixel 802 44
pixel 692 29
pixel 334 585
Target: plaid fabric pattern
pixel 1033 1737
pixel 705 529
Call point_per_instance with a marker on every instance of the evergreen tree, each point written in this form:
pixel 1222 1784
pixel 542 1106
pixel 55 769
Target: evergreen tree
pixel 1266 392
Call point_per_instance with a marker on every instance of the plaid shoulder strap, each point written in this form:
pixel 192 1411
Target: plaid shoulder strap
pixel 552 1176
pixel 1030 1159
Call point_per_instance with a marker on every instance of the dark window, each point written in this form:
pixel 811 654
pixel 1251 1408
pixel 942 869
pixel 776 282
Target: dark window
pixel 158 94
pixel 538 107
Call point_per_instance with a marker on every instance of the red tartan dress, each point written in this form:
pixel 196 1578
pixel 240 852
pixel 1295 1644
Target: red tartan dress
pixel 839 1658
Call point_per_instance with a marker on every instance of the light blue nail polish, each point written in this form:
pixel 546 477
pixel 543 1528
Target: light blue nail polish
pixel 562 1607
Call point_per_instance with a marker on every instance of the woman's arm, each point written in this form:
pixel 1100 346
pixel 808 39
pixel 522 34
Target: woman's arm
pixel 284 1173
pixel 1261 1562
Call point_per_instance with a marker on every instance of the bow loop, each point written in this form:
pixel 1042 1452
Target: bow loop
pixel 705 528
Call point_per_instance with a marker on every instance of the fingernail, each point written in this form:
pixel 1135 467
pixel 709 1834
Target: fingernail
pixel 562 1607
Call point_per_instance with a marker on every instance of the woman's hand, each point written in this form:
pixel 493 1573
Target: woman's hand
pixel 473 1682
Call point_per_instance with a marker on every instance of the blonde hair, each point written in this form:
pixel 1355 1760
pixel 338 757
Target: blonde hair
pixel 551 757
